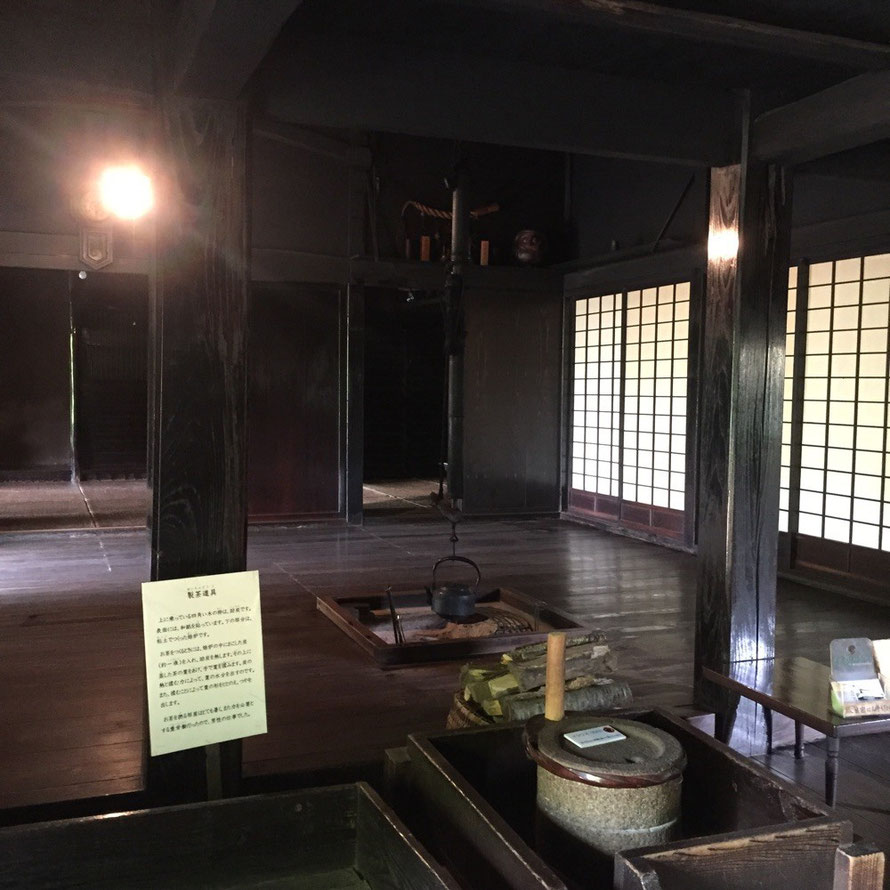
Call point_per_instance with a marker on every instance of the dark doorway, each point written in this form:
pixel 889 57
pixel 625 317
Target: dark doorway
pixel 72 400
pixel 35 372
pixel 110 325
pixel 404 385
pixel 294 450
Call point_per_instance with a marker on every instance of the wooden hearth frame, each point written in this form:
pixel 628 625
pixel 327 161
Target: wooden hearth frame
pixel 339 608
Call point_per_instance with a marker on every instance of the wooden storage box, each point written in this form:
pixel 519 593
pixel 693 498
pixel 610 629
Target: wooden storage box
pixel 339 838
pixel 471 795
pixel 805 856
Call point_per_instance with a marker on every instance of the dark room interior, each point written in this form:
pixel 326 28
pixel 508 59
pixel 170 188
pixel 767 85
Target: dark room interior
pixel 591 297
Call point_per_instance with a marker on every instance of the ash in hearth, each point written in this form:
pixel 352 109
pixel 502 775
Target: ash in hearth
pixel 420 625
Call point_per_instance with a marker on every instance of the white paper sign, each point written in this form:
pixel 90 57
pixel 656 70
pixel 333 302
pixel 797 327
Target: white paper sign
pixel 853 691
pixel 203 660
pixel 596 735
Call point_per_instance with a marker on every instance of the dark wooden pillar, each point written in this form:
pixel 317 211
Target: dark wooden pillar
pixel 742 376
pixel 199 321
pixel 355 403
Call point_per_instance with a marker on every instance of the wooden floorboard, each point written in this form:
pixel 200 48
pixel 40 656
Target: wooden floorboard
pixel 48 506
pixel 71 692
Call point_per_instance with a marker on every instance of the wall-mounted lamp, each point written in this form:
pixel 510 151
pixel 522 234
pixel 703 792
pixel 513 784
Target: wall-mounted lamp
pixel 125 192
pixel 723 244
pixel 121 191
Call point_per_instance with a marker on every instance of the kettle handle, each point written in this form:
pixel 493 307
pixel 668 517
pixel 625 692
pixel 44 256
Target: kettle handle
pixel 463 559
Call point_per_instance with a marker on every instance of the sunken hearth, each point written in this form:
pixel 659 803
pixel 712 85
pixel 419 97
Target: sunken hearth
pixel 403 630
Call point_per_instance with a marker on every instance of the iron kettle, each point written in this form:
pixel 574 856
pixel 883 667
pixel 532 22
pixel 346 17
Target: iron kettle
pixel 453 600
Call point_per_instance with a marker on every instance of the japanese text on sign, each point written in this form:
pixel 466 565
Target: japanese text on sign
pixel 204 660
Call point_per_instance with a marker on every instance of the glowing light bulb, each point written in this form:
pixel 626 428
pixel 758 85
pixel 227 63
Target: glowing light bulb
pixel 723 244
pixel 126 192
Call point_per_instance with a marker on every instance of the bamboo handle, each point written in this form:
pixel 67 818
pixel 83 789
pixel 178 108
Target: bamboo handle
pixel 555 692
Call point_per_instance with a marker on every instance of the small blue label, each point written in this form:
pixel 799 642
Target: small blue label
pixel 596 735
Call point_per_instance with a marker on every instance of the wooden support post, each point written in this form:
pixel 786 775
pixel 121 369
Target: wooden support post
pixel 742 374
pixel 355 403
pixel 353 380
pixel 858 867
pixel 198 518
pixel 788 546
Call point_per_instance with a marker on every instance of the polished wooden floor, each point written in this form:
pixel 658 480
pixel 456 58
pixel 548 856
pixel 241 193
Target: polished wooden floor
pixel 73 506
pixel 71 691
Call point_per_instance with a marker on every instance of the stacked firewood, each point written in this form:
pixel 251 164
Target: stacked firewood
pixel 515 688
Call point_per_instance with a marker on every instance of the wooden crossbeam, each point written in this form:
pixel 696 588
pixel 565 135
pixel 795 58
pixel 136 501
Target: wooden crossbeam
pixel 637 15
pixel 54 89
pixel 847 115
pixel 868 162
pixel 343 82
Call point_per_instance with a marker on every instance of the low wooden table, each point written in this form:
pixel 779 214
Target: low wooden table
pixel 797 688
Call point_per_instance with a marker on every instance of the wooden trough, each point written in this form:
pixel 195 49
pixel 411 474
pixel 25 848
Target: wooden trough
pixel 339 838
pixel 471 795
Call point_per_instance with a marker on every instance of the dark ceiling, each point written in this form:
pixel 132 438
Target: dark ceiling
pixel 557 34
pixel 104 42
pixel 647 45
pixel 109 41
pixel 860 19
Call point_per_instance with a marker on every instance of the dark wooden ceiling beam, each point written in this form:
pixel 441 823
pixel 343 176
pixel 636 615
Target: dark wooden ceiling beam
pixel 217 44
pixel 845 116
pixel 308 140
pixel 341 82
pixel 868 163
pixel 637 15
pixel 55 90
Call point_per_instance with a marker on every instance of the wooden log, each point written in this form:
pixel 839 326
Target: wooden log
pixel 595 695
pixel 593 659
pixel 491 687
pixel 472 673
pixel 534 651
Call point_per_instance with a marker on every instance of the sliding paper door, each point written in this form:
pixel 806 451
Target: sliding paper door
pixel 629 408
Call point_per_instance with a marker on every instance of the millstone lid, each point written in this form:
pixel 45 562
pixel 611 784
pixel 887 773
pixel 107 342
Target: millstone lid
pixel 642 755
